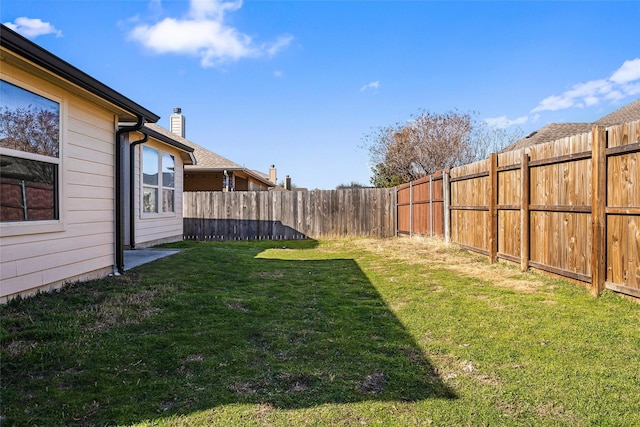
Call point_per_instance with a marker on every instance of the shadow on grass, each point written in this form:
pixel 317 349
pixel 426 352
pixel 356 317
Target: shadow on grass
pixel 211 326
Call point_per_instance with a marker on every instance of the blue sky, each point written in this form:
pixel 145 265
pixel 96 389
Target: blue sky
pixel 299 84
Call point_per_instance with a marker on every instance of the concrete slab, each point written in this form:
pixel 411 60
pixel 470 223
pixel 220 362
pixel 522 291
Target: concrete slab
pixel 136 257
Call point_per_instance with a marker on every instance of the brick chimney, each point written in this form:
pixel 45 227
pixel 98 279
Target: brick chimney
pixel 272 174
pixel 287 183
pixel 177 122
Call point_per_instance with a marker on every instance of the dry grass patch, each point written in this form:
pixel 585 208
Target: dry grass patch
pixel 19 347
pixel 236 305
pixel 433 252
pixel 122 309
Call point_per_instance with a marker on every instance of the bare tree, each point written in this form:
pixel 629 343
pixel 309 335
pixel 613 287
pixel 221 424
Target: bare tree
pixel 427 143
pixel 351 185
pixel 31 130
pixel 489 139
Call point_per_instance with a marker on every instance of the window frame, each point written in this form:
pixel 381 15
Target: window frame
pixel 15 228
pixel 160 187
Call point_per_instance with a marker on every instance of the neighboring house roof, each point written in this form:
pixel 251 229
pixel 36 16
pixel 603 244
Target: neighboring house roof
pixel 171 139
pixel 207 160
pixel 555 131
pixel 263 175
pixel 30 51
pixel 548 133
pixel 628 113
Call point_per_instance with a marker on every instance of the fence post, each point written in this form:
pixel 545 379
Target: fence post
pixel 492 239
pixel 446 195
pixel 524 211
pixel 410 208
pixel 598 208
pixel 397 213
pixel 431 205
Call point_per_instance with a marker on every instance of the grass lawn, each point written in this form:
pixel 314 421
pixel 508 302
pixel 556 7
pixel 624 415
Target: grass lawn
pixel 335 332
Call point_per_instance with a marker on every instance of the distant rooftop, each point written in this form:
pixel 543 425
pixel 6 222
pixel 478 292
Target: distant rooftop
pixel 628 113
pixel 548 133
pixel 555 131
pixel 204 158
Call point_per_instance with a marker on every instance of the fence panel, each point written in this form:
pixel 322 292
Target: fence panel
pixel 509 206
pixel 623 209
pixel 245 215
pixel 470 205
pixel 560 207
pixel 569 207
pixel 421 206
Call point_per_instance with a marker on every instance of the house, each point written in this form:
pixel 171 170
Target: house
pixel 555 131
pixel 154 212
pixel 213 172
pixel 81 176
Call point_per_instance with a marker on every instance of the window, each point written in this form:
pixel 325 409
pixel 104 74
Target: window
pixel 168 177
pixel 29 155
pixel 158 181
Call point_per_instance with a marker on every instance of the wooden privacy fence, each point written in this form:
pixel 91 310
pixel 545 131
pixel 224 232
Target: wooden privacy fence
pixel 570 207
pixel 253 215
pixel 421 206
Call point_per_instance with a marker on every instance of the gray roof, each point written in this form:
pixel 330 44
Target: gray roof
pixel 626 114
pixel 208 160
pixel 548 133
pixel 205 159
pixel 555 131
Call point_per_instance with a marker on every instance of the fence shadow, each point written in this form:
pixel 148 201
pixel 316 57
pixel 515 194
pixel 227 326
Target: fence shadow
pixel 204 229
pixel 280 332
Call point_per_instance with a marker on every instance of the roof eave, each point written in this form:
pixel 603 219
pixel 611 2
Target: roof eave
pixel 30 51
pixel 196 168
pixel 169 141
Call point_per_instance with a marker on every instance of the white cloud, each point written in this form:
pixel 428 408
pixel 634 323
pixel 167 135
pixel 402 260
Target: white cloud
pixel 504 122
pixel 623 83
pixel 281 43
pixel 370 86
pixel 630 71
pixel 32 27
pixel 204 33
pixel 214 9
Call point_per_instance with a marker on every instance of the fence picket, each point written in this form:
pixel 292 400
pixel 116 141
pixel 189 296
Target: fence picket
pixel 289 215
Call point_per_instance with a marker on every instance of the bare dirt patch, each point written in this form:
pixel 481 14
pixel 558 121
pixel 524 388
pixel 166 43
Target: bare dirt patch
pixel 374 383
pixel 293 383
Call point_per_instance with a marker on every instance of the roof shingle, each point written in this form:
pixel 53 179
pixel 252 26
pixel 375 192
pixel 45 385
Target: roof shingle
pixel 555 131
pixel 204 158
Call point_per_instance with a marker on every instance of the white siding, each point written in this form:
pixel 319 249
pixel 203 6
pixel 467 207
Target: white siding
pixel 153 229
pixel 81 245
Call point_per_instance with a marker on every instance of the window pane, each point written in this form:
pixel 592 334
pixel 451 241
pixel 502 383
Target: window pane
pixel 167 201
pixel 150 199
pixel 149 166
pixel 28 190
pixel 168 170
pixel 28 122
